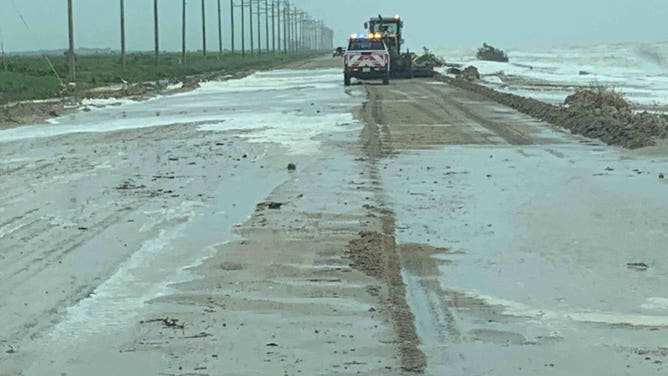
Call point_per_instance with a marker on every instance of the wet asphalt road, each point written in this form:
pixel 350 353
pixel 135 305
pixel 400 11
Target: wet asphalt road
pixel 525 250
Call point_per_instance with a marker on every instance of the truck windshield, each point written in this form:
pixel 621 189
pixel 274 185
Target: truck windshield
pixel 366 45
pixel 390 28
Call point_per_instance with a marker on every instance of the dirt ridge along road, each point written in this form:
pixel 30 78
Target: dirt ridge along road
pixel 621 128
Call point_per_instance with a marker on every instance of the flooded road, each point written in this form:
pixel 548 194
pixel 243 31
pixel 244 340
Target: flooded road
pixel 527 252
pixel 423 229
pixel 141 237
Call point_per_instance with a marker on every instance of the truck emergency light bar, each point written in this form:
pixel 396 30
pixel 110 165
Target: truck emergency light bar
pixel 367 36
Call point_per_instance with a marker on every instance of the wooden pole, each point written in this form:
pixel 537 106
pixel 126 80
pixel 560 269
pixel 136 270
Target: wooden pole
pixel 232 26
pixel 250 13
pixel 273 26
pixel 156 32
pixel 301 31
pixel 183 33
pixel 2 50
pixel 203 28
pixel 123 34
pixel 285 27
pixel 278 25
pixel 220 31
pixel 266 23
pixel 259 28
pixel 70 26
pixel 243 30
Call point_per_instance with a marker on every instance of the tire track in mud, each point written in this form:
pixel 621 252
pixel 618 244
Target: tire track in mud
pixel 376 253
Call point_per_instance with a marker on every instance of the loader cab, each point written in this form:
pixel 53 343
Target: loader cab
pixel 390 28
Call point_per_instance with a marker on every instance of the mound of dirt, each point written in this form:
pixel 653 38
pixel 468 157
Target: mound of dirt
pixel 470 73
pixel 16 114
pixel 607 117
pixel 597 98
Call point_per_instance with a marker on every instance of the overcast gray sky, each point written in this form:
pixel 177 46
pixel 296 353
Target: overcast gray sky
pixel 428 22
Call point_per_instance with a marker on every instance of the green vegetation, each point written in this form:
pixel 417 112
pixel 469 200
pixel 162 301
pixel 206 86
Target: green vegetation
pixel 29 78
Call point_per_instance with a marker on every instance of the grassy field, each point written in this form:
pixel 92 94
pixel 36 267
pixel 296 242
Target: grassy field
pixel 32 78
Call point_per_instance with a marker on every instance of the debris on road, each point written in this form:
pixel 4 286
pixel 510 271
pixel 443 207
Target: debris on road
pixel 167 322
pixel 129 185
pixel 274 205
pixel 292 167
pixel 639 266
pixel 173 323
pixel 269 205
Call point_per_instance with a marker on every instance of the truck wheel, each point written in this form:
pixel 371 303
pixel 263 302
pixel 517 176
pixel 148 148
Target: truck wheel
pixel 346 80
pixel 386 79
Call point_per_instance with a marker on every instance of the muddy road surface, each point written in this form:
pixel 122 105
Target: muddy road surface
pixel 421 229
pixel 525 250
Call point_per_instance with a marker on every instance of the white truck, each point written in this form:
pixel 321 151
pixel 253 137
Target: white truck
pixel 367 57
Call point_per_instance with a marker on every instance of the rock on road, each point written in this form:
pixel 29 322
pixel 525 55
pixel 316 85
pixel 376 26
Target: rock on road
pixel 424 230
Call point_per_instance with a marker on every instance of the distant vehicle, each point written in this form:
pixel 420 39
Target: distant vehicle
pixel 367 57
pixel 338 51
pixel 390 30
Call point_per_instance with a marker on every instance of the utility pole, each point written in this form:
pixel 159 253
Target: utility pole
pixel 252 40
pixel 286 34
pixel 183 33
pixel 123 34
pixel 293 35
pixel 259 28
pixel 273 26
pixel 278 25
pixel 2 51
pixel 203 28
pixel 266 23
pixel 232 25
pixel 220 31
pixel 70 25
pixel 291 30
pixel 156 32
pixel 243 31
pixel 301 31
